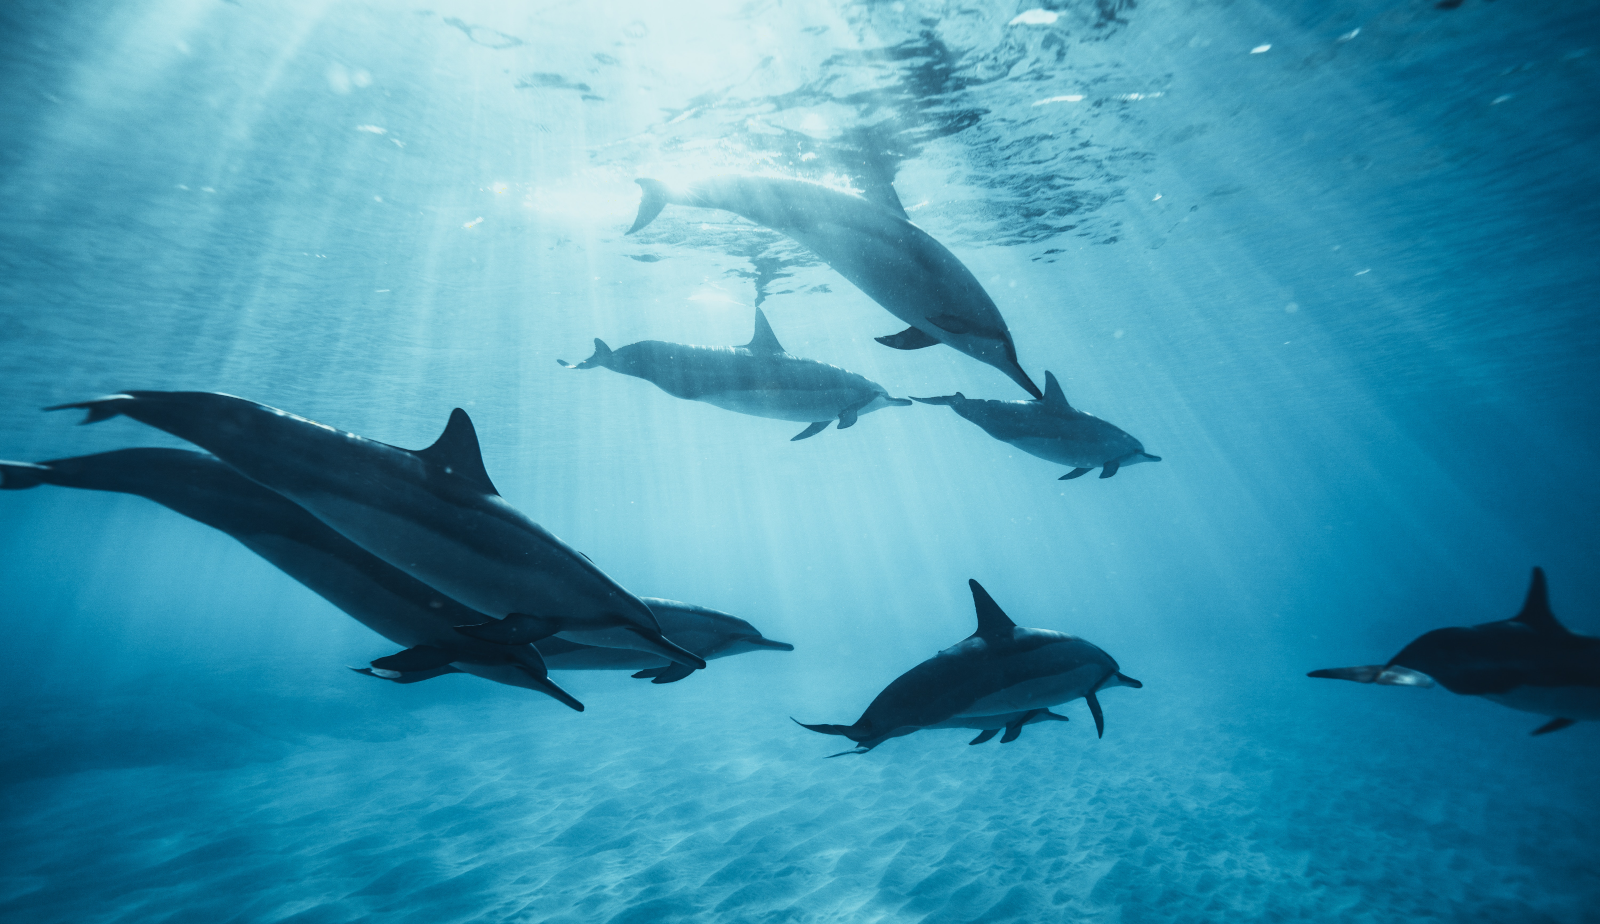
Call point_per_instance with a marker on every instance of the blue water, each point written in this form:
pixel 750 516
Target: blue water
pixel 1344 286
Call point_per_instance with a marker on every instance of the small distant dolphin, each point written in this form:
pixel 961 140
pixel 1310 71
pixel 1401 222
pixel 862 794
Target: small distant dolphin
pixel 874 246
pixel 432 513
pixel 759 378
pixel 1052 429
pixel 1012 722
pixel 1001 670
pixel 384 599
pixel 1529 662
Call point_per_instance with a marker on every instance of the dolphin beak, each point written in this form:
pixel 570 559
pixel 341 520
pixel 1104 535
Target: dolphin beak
pixel 762 642
pixel 1150 458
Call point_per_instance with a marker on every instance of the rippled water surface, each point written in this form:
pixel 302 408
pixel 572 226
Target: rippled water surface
pixel 1333 262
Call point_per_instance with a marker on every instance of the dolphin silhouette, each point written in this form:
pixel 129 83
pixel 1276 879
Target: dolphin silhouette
pixel 1529 662
pixel 875 246
pixel 709 633
pixel 1000 670
pixel 990 725
pixel 759 378
pixel 432 513
pixel 1052 429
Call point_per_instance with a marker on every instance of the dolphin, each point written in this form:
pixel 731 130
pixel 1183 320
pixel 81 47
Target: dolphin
pixel 875 246
pixel 1001 670
pixel 1052 429
pixel 1529 662
pixel 432 513
pixel 990 725
pixel 709 633
pixel 759 378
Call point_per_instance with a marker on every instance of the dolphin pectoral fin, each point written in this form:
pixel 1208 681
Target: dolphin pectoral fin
pixel 1554 725
pixel 647 673
pixel 984 735
pixel 408 676
pixel 549 688
pixel 98 408
pixel 811 431
pixel 1099 717
pixel 672 673
pixel 912 338
pixel 420 658
pixel 651 202
pixel 515 629
pixel 1110 468
pixel 1014 728
pixel 1075 473
pixel 666 648
pixel 848 416
pixel 16 476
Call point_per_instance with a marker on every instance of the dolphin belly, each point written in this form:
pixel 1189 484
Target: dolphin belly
pixel 804 406
pixel 1063 451
pixel 1563 702
pixel 1039 692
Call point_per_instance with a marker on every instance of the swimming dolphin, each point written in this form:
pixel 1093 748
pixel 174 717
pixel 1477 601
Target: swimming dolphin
pixel 709 633
pixel 874 246
pixel 1012 722
pixel 759 379
pixel 1052 429
pixel 385 599
pixel 1529 662
pixel 998 670
pixel 432 513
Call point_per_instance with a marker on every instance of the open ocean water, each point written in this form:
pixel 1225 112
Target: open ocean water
pixel 1333 262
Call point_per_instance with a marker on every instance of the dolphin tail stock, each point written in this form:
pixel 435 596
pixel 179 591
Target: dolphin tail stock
pixel 601 356
pixel 103 408
pixel 1388 675
pixel 655 199
pixel 946 400
pixel 19 476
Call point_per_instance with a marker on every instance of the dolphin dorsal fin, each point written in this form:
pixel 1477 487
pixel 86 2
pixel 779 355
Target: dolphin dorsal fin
pixel 765 341
pixel 456 450
pixel 1536 613
pixel 993 623
pixel 1053 393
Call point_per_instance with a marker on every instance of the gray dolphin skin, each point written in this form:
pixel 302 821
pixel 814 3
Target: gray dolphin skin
pixel 709 633
pixel 1530 663
pixel 898 265
pixel 1001 670
pixel 990 725
pixel 760 379
pixel 432 513
pixel 1052 429
pixel 384 599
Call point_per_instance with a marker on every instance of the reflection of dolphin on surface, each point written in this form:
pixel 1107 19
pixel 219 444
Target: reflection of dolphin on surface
pixel 432 513
pixel 990 725
pixel 874 246
pixel 1052 429
pixel 1529 662
pixel 759 379
pixel 1000 671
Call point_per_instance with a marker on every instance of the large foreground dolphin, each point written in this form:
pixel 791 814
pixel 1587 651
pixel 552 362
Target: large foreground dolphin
pixel 874 246
pixel 1052 429
pixel 432 513
pixel 1000 670
pixel 384 599
pixel 1529 662
pixel 759 378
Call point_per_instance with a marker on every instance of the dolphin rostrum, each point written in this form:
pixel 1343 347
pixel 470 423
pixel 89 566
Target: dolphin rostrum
pixel 384 599
pixel 432 513
pixel 759 379
pixel 990 725
pixel 1529 662
pixel 874 246
pixel 1001 670
pixel 1052 429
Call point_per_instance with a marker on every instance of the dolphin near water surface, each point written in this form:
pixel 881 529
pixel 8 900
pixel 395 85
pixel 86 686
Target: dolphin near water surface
pixel 1001 670
pixel 1530 663
pixel 1052 429
pixel 432 513
pixel 898 265
pixel 759 378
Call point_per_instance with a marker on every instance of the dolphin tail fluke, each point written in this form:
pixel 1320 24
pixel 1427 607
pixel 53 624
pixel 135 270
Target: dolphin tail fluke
pixel 1075 473
pixel 1554 725
pixel 945 400
pixel 984 735
pixel 655 199
pixel 848 731
pixel 1388 675
pixel 18 476
pixel 601 356
pixel 811 431
pixel 98 408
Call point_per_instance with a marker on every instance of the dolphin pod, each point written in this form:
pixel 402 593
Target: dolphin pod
pixel 897 264
pixel 760 379
pixel 383 598
pixel 1052 429
pixel 1530 662
pixel 432 513
pixel 1000 676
